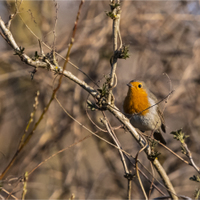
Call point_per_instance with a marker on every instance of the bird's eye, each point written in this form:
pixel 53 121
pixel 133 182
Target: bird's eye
pixel 139 85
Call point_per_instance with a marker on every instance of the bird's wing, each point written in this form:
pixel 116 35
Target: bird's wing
pixel 159 113
pixel 162 120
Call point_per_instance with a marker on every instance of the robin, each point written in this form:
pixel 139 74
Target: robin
pixel 140 106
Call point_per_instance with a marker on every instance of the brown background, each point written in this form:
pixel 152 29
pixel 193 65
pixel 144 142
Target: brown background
pixel 163 38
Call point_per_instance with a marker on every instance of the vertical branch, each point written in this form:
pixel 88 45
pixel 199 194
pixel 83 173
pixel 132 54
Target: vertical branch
pixel 54 33
pixel 116 11
pixel 25 185
pixel 116 20
pixel 69 46
pixel 129 189
pixel 115 15
pixel 22 140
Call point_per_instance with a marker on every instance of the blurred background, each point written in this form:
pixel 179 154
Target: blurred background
pixel 164 44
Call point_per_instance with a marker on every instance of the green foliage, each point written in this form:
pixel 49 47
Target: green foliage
pixel 154 153
pixel 153 143
pixel 112 13
pixel 104 94
pixel 123 53
pixel 179 135
pixel 104 90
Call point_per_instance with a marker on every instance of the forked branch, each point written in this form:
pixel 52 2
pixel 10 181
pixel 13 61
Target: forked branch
pixel 45 63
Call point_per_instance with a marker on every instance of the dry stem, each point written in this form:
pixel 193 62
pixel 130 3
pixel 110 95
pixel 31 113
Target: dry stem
pixel 47 65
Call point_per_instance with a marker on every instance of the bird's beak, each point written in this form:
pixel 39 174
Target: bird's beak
pixel 129 85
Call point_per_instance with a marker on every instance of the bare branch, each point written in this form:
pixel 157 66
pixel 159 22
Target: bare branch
pixel 45 63
pixel 116 12
pixel 189 155
pixel 142 143
pixel 105 122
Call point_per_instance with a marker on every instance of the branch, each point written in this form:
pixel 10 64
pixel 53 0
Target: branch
pixel 46 64
pixel 20 52
pixel 180 135
pixel 115 111
pixel 115 15
pixel 116 20
pixel 112 134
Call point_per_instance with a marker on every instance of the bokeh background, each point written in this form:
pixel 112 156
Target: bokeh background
pixel 164 44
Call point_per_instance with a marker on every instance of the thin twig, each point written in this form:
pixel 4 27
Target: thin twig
pixel 14 45
pixel 72 64
pixel 93 92
pixel 166 97
pixel 129 188
pixel 145 176
pixel 85 126
pixel 22 140
pixel 142 143
pixel 9 193
pixel 86 110
pixel 44 161
pixel 167 148
pixel 189 155
pixel 25 179
pixel 136 168
pixel 161 192
pixel 108 143
pixel 153 175
pixel 109 129
pixel 69 47
pixel 54 30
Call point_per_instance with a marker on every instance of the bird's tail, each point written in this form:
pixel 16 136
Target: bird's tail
pixel 158 136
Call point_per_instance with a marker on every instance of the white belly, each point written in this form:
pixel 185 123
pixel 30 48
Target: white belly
pixel 151 121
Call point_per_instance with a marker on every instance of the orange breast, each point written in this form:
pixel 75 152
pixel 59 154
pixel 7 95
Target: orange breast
pixel 136 102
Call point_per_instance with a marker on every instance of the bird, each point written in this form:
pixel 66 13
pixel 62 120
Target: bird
pixel 140 106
